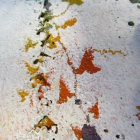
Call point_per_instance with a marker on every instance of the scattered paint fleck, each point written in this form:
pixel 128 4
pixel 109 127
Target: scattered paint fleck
pixel 31 70
pixel 94 109
pixel 40 79
pixel 138 107
pixel 46 121
pixel 113 52
pixel 71 2
pixel 64 93
pixel 86 64
pixel 22 94
pixel 38 60
pixel 77 132
pixel 106 130
pixel 30 44
pixel 68 23
pixel 31 101
pixel 138 116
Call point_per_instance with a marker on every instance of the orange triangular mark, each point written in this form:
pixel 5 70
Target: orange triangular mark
pixel 94 109
pixel 86 64
pixel 64 93
pixel 77 132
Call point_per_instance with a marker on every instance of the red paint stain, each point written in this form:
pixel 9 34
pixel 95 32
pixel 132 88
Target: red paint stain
pixel 77 132
pixel 138 116
pixel 31 101
pixel 64 93
pixel 94 109
pixel 40 90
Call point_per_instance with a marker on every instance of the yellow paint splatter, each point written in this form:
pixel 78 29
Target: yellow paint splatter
pixel 62 12
pixel 22 94
pixel 113 52
pixel 68 23
pixel 51 40
pixel 71 2
pixel 30 44
pixel 31 70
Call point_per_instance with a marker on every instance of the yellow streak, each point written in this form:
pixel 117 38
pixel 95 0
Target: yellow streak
pixel 113 52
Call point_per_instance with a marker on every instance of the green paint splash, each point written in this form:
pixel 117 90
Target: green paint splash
pixel 135 1
pixel 71 2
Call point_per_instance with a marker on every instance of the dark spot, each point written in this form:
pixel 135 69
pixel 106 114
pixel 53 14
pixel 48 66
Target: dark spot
pixel 131 23
pixel 44 54
pixel 106 130
pixel 78 101
pixel 36 61
pixel 133 124
pixel 87 118
pixel 56 131
pixel 117 136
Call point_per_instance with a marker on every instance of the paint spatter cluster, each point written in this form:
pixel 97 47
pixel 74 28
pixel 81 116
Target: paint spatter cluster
pixel 40 80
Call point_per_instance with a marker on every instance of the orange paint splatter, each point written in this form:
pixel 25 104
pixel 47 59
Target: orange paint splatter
pixel 31 101
pixel 64 93
pixel 94 110
pixel 41 93
pixel 86 64
pixel 77 132
pixel 68 23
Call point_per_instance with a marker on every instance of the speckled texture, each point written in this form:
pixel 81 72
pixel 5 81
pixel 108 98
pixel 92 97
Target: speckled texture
pixel 100 25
